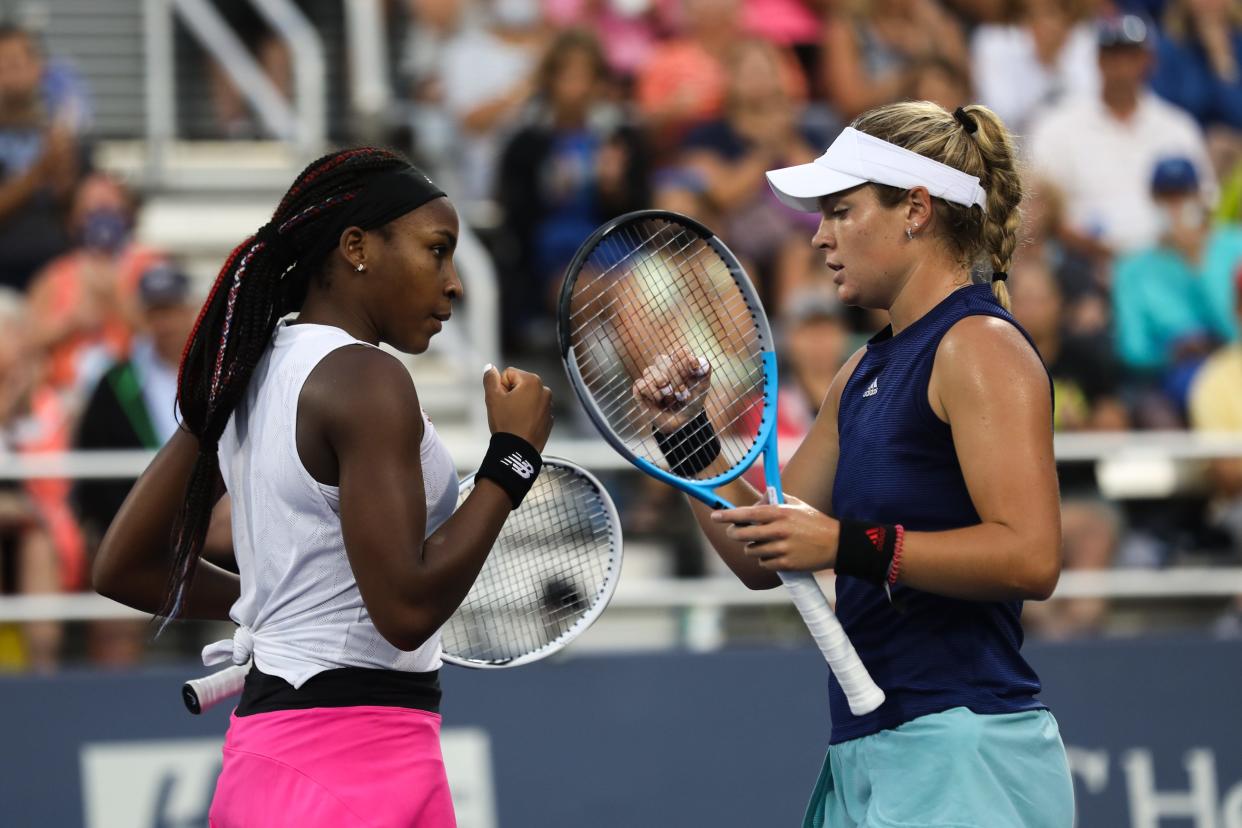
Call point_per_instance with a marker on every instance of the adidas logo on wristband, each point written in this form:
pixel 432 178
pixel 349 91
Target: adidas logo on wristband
pixel 521 467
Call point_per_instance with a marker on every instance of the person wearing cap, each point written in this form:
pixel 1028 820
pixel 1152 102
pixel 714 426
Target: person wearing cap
pixel 1173 302
pixel 133 406
pixel 926 482
pixel 1100 151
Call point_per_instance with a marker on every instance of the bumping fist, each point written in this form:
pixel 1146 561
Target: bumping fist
pixel 518 402
pixel 673 387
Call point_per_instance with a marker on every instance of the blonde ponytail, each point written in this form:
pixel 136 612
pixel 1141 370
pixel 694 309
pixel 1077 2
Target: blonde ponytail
pixel 1004 188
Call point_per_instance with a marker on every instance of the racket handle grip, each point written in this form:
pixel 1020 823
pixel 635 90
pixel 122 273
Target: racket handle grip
pixel 862 692
pixel 206 692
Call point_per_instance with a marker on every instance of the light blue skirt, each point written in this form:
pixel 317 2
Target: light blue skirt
pixel 954 769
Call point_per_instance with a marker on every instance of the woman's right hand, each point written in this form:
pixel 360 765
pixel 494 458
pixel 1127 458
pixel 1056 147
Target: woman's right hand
pixel 672 389
pixel 518 402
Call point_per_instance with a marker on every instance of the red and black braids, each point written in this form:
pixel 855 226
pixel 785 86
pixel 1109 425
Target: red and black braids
pixel 261 281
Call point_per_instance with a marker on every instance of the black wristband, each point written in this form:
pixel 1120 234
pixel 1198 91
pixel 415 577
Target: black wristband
pixel 691 448
pixel 865 550
pixel 512 464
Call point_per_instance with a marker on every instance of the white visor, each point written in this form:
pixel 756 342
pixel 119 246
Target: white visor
pixel 856 158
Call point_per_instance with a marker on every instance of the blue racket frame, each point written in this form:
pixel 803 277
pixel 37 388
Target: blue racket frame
pixel 765 440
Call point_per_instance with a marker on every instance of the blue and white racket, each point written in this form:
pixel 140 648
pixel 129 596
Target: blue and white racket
pixel 652 287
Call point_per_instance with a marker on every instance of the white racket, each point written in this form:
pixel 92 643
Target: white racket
pixel 549 575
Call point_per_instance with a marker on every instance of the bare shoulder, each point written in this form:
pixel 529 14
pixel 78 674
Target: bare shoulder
pixel 358 385
pixel 980 354
pixel 983 341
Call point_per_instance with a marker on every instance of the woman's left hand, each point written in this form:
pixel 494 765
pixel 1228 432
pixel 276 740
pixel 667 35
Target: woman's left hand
pixel 789 537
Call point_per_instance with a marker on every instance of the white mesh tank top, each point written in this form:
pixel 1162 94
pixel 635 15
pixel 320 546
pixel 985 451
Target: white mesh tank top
pixel 300 611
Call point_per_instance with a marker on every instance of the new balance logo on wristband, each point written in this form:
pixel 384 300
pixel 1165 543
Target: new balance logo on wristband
pixel 873 388
pixel 521 467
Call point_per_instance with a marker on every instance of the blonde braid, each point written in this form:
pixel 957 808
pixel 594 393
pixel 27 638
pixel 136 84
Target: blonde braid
pixel 1003 183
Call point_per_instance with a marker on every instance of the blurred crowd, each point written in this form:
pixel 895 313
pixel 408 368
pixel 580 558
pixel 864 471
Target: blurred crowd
pixel 544 118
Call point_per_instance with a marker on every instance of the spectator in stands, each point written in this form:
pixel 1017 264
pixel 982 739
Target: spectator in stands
pixel 628 30
pixel 1199 55
pixel 82 304
pixel 1173 302
pixel 1216 406
pixel 1084 370
pixel 1046 56
pixel 815 343
pixel 1082 281
pixel 134 406
pixel 940 81
pixel 134 403
pixel 473 72
pixel 37 536
pixel 871 49
pixel 683 83
pixel 1100 152
pixel 234 118
pixel 760 130
pixel 577 164
pixel 39 159
pixel 1086 398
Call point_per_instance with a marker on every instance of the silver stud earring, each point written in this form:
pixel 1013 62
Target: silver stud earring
pixel 909 234
pixel 361 267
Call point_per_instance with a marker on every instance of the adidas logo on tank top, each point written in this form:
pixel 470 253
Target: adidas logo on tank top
pixel 873 388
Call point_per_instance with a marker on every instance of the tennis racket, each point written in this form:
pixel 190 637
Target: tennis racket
pixel 653 286
pixel 551 572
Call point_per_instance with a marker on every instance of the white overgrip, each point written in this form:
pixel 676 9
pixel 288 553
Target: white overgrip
pixel 862 692
pixel 215 688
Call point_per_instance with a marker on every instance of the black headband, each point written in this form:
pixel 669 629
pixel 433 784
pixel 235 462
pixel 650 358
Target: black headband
pixel 388 196
pixel 381 199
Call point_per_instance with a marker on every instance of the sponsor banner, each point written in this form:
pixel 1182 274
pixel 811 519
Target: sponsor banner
pixel 734 738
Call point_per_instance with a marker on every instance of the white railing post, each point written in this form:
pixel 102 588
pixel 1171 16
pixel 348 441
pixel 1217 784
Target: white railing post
pixel 309 72
pixel 160 92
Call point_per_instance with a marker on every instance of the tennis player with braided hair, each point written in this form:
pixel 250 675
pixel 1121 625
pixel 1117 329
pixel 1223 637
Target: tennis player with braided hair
pixel 927 481
pixel 350 553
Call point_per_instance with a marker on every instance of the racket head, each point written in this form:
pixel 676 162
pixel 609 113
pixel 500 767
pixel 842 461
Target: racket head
pixel 552 571
pixel 648 283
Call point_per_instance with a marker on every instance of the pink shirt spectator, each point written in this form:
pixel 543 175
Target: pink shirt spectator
pixel 628 34
pixel 784 22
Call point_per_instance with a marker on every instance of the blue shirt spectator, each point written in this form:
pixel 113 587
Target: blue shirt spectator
pixel 1198 55
pixel 1173 302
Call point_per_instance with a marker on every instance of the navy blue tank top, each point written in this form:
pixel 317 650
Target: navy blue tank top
pixel 897 465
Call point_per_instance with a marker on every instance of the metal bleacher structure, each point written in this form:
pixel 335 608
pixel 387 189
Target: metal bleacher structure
pixel 145 61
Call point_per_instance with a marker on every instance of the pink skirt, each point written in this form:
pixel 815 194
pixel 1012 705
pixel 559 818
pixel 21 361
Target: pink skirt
pixel 369 767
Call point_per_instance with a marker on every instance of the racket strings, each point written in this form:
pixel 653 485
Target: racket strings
pixel 644 294
pixel 547 571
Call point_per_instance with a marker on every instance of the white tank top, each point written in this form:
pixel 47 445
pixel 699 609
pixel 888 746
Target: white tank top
pixel 300 611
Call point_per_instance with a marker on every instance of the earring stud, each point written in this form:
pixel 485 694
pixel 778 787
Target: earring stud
pixel 361 267
pixel 909 234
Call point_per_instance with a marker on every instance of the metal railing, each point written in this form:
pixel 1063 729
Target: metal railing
pixel 717 593
pixel 468 445
pixel 302 122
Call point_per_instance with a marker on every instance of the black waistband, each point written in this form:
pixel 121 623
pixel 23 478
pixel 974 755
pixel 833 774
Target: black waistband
pixel 342 687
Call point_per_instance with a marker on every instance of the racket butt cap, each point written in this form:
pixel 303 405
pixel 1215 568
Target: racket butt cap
pixel 190 698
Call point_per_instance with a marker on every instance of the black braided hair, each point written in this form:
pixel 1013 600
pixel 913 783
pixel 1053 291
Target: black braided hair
pixel 261 281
